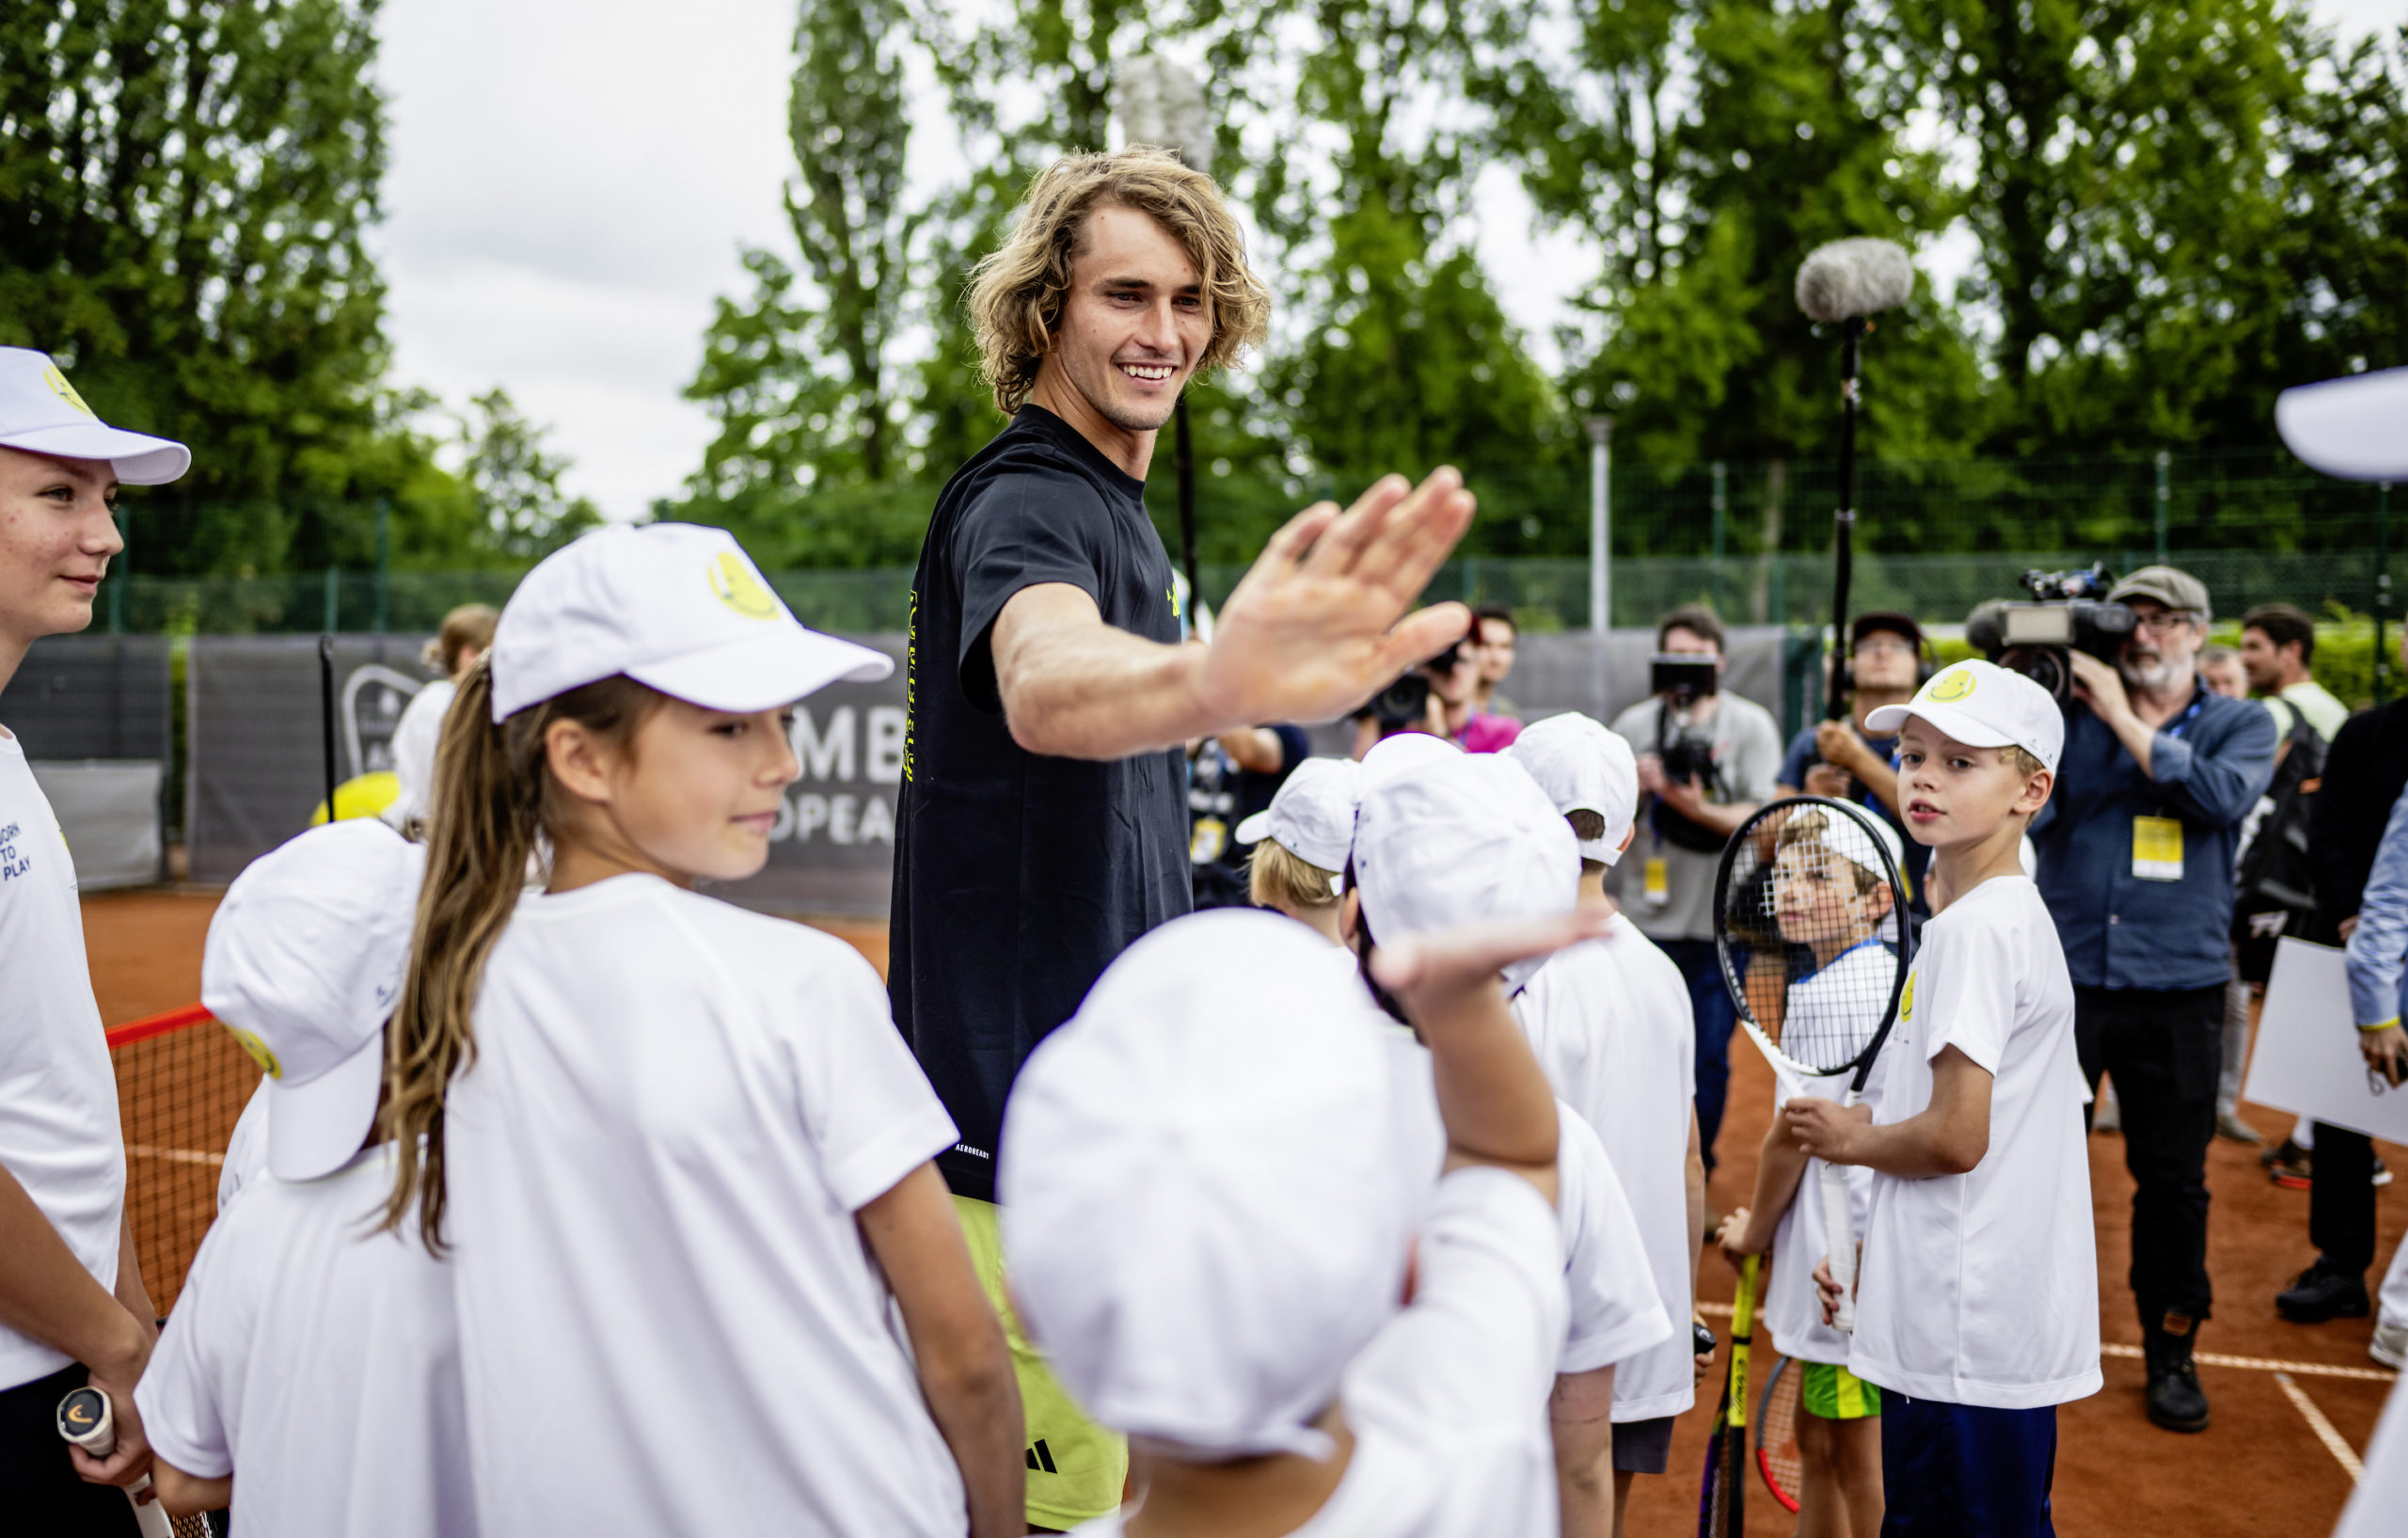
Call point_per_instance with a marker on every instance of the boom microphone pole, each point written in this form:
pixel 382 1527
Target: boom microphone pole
pixel 1844 283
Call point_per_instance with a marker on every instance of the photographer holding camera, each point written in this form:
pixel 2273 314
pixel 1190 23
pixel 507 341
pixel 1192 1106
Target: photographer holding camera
pixel 1707 759
pixel 2136 852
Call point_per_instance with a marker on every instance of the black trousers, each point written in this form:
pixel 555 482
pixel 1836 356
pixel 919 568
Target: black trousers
pixel 40 1491
pixel 2164 1051
pixel 2340 1205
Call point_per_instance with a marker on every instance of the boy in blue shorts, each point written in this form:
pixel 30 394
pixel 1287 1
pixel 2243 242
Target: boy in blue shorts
pixel 1977 1294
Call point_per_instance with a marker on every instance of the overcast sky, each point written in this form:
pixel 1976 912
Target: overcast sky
pixel 565 201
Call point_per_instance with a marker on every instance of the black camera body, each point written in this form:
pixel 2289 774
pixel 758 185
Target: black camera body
pixel 1679 681
pixel 2068 611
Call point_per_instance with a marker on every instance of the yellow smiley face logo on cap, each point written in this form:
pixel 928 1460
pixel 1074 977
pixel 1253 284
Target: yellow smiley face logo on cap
pixel 731 579
pixel 1950 687
pixel 64 391
pixel 258 1049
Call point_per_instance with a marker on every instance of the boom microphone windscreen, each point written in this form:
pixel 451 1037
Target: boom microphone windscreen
pixel 2355 428
pixel 1845 279
pixel 1162 105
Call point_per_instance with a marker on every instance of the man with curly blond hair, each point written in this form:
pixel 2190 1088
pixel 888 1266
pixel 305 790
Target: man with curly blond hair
pixel 1042 822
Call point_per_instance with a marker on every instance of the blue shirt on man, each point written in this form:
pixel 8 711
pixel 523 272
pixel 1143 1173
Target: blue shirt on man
pixel 2123 929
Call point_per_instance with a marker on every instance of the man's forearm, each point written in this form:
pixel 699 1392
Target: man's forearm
pixel 1094 691
pixel 47 1295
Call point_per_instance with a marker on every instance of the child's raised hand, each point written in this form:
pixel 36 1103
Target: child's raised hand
pixel 1826 1129
pixel 1432 973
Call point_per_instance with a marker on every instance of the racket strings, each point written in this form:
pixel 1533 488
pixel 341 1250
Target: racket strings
pixel 1809 932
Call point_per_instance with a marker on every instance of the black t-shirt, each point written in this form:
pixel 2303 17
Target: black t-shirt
pixel 1018 878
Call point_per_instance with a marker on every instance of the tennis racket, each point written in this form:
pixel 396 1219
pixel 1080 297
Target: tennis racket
pixel 85 1419
pixel 1777 1456
pixel 1722 1506
pixel 1809 921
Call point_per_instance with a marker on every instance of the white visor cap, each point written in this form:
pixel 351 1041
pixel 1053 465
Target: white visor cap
pixel 2355 428
pixel 1983 706
pixel 1462 841
pixel 1311 815
pixel 303 965
pixel 1583 768
pixel 1203 1217
pixel 41 414
pixel 1858 837
pixel 677 607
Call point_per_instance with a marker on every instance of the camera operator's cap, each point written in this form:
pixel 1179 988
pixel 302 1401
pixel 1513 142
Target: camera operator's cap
pixel 303 965
pixel 1582 766
pixel 1204 1220
pixel 1983 706
pixel 1887 620
pixel 41 414
pixel 1311 815
pixel 2354 427
pixel 677 607
pixel 2172 587
pixel 1461 841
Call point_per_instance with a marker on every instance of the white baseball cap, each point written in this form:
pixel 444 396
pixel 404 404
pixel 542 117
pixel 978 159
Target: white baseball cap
pixel 2355 427
pixel 1859 837
pixel 1459 841
pixel 1203 1217
pixel 1982 705
pixel 303 965
pixel 677 607
pixel 41 413
pixel 1583 768
pixel 1404 752
pixel 1311 814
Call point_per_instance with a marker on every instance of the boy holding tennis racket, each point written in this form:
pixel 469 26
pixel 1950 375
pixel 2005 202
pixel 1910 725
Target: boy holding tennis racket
pixel 1977 1297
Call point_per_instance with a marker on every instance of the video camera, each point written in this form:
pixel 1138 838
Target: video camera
pixel 1681 679
pixel 2068 611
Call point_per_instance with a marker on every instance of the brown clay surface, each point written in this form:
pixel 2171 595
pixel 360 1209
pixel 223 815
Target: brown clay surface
pixel 2257 1470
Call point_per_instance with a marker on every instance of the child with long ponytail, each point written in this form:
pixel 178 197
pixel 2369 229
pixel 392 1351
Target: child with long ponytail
pixel 677 1151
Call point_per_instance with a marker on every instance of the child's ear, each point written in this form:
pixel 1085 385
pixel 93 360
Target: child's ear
pixel 1350 914
pixel 2037 791
pixel 578 760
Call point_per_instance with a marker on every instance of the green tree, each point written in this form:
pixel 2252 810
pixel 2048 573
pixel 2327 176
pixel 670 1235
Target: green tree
pixel 515 486
pixel 184 187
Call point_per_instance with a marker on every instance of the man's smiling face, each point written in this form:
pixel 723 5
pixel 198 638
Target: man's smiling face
pixel 1135 321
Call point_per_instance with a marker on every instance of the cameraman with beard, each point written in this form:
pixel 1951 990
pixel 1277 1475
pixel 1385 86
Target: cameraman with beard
pixel 2136 857
pixel 1722 753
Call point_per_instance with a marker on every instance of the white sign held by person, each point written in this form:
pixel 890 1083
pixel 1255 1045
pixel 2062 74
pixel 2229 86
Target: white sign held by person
pixel 2306 1059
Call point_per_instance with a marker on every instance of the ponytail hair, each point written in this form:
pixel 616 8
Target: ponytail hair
pixel 493 797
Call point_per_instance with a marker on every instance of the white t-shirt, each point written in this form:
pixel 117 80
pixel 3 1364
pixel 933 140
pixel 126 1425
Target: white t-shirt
pixel 670 1319
pixel 415 736
pixel 2381 1495
pixel 246 1149
pixel 1447 1403
pixel 318 1362
pixel 58 1126
pixel 1792 1311
pixel 1615 1312
pixel 1983 1288
pixel 1610 1022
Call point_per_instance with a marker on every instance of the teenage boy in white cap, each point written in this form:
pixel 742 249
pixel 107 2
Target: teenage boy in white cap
pixel 73 1306
pixel 1208 1231
pixel 1611 1022
pixel 1977 1294
pixel 1471 837
pixel 310 1356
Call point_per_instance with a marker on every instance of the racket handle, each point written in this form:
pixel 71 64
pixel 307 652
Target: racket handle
pixel 1839 1232
pixel 87 1419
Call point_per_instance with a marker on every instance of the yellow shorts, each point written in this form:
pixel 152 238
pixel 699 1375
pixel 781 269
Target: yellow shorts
pixel 1076 1468
pixel 1832 1393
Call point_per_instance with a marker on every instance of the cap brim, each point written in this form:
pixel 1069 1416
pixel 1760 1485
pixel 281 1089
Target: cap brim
pixel 1254 829
pixel 314 1128
pixel 776 668
pixel 139 459
pixel 2357 428
pixel 1959 726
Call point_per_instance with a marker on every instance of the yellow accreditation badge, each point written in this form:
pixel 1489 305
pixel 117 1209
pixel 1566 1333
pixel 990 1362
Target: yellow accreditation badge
pixel 1206 841
pixel 2157 848
pixel 1655 882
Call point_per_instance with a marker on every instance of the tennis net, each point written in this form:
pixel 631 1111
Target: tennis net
pixel 181 1087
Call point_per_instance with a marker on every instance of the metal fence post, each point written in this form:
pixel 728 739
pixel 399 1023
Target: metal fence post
pixel 2164 496
pixel 1721 505
pixel 384 557
pixel 1601 524
pixel 334 600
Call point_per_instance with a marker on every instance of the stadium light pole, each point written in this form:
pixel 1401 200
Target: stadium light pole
pixel 1601 524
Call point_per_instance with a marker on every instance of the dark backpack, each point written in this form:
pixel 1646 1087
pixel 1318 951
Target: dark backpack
pixel 2275 889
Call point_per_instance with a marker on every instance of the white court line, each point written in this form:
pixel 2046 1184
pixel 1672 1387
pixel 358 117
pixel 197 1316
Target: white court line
pixel 2321 1427
pixel 174 1156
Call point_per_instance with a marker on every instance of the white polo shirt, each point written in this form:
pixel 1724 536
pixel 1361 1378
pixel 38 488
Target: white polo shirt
pixel 1610 1022
pixel 1983 1288
pixel 58 1127
pixel 669 1317
pixel 318 1362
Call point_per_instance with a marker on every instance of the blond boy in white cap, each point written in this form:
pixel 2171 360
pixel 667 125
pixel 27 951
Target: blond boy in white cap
pixel 1977 1297
pixel 1301 842
pixel 1611 1022
pixel 309 1354
pixel 71 1289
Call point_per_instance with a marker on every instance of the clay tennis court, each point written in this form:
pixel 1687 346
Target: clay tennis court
pixel 2293 1404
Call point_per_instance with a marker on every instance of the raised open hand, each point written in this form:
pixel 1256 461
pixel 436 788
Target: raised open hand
pixel 1320 622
